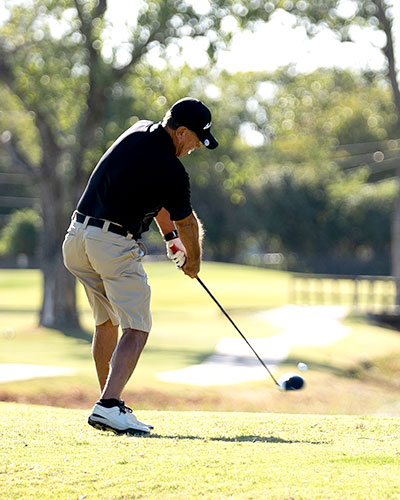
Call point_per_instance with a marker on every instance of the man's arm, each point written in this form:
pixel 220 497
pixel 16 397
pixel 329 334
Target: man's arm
pixel 164 222
pixel 176 251
pixel 191 232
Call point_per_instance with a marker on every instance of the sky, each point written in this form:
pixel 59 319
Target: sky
pixel 270 46
pixel 285 43
pixel 273 45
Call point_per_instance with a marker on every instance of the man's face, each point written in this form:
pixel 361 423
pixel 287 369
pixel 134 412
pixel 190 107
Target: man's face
pixel 187 141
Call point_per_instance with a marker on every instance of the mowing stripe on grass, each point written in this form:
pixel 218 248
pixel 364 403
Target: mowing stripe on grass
pixel 52 454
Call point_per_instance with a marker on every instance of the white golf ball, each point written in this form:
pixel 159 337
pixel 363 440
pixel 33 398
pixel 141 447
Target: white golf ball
pixel 302 367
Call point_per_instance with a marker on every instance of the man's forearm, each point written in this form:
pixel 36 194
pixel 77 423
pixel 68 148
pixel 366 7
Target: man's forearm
pixel 190 231
pixel 164 222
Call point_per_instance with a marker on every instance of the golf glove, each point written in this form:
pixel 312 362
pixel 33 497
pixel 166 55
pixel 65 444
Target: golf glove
pixel 176 252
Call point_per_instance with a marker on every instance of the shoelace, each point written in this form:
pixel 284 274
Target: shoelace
pixel 124 409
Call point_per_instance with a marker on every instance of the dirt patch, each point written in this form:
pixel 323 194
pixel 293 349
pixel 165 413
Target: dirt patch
pixel 325 393
pixel 140 399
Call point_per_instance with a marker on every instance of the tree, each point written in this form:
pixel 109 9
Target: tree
pixel 69 93
pixel 376 15
pixel 313 192
pixel 60 79
pixel 21 234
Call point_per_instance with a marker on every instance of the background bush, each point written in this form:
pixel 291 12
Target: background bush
pixel 21 234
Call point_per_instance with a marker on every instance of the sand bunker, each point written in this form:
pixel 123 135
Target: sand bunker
pixel 234 362
pixel 10 372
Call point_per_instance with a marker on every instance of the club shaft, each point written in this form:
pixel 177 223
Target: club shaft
pixel 237 329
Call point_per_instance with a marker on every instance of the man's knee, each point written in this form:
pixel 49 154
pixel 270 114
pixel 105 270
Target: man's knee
pixel 134 330
pixel 139 335
pixel 107 324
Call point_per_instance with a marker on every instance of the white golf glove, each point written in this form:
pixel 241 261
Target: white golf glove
pixel 176 252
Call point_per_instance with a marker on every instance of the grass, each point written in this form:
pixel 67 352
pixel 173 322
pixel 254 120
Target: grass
pixel 357 375
pixel 52 454
pixel 305 450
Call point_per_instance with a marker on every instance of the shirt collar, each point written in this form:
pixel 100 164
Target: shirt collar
pixel 162 137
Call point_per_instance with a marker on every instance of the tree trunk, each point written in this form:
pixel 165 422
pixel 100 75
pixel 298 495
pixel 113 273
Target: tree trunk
pixel 387 24
pixel 59 297
pixel 396 242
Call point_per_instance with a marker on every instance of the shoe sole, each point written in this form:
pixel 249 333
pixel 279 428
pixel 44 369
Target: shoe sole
pixel 104 427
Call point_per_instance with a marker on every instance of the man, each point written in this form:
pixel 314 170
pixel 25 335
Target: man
pixel 138 179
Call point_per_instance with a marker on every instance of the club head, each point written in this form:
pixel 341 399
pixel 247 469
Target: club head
pixel 291 382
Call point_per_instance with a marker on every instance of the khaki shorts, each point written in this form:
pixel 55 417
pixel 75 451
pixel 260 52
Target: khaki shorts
pixel 109 267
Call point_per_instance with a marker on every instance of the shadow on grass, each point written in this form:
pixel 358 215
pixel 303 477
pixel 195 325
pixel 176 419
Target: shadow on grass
pixel 239 439
pixel 191 357
pixel 8 310
pixel 384 320
pixel 77 333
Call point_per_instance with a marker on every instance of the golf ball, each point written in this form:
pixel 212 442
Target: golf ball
pixel 302 367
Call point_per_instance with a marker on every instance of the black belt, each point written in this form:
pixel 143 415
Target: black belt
pixel 113 228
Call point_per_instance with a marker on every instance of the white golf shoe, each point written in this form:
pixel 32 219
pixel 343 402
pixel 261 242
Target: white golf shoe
pixel 129 410
pixel 118 419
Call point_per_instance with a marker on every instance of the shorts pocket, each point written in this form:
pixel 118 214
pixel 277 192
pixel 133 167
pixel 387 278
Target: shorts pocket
pixel 72 229
pixel 138 251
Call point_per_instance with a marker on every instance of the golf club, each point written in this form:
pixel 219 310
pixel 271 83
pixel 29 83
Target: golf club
pixel 289 382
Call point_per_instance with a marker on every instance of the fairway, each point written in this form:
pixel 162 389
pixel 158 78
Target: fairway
pixel 357 374
pixel 271 445
pixel 52 454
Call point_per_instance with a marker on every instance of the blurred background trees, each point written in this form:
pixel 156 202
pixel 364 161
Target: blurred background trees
pixel 306 164
pixel 20 236
pixel 60 87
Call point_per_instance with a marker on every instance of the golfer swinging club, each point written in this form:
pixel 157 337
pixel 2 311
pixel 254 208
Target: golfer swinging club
pixel 138 179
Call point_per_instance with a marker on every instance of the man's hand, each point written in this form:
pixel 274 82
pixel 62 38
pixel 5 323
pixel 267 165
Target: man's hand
pixel 185 252
pixel 179 258
pixel 191 270
pixel 191 232
pixel 176 252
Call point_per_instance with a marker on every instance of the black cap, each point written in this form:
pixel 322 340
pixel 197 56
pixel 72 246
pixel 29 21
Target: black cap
pixel 195 115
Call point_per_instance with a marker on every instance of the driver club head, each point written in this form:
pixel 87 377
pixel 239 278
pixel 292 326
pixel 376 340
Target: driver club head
pixel 291 382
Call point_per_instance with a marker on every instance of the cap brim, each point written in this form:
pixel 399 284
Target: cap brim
pixel 209 141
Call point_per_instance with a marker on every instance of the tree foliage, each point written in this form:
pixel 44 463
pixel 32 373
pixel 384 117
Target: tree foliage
pixel 53 63
pixel 21 234
pixel 69 92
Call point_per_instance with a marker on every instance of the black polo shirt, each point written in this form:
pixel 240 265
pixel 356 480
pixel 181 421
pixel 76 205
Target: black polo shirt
pixel 137 176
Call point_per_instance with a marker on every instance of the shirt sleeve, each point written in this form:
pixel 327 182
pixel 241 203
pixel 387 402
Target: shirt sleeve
pixel 177 195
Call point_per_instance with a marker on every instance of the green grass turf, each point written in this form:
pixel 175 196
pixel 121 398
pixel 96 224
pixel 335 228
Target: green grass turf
pixel 51 453
pixel 186 323
pixel 186 327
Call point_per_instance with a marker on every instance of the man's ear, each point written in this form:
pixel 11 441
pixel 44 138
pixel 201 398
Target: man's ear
pixel 180 132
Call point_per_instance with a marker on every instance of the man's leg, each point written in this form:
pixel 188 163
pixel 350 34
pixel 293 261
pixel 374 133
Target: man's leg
pixel 123 362
pixel 104 343
pixel 110 412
